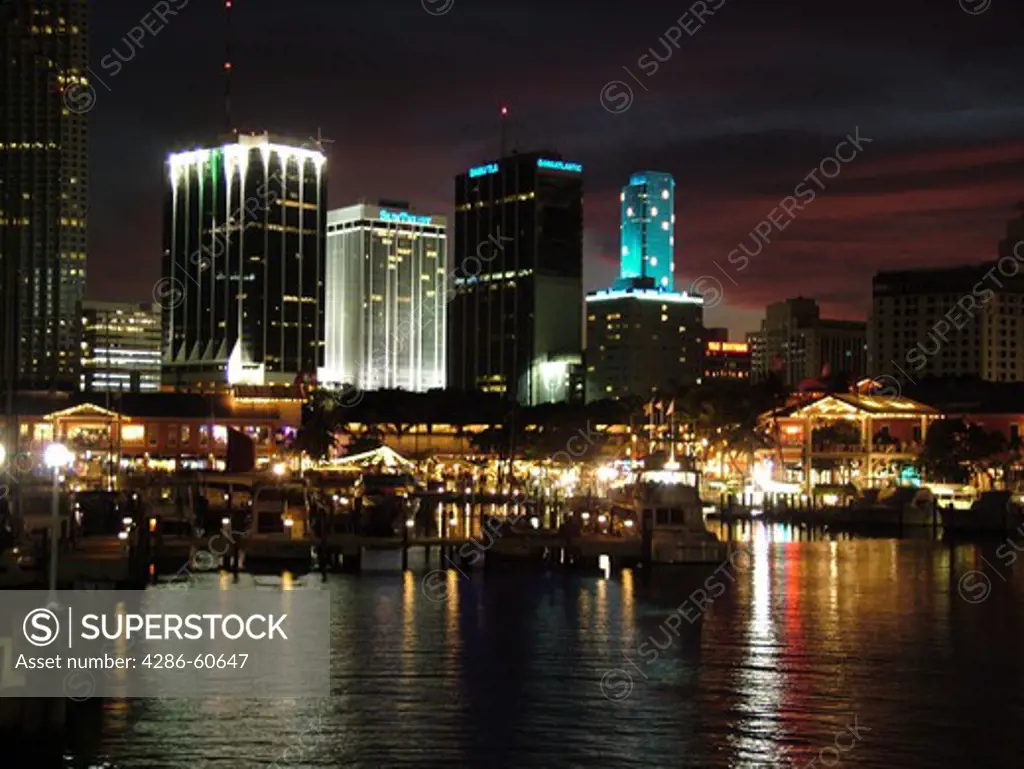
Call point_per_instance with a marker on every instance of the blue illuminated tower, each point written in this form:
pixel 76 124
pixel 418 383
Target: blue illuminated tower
pixel 643 338
pixel 648 229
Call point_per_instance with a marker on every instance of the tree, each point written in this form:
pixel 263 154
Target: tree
pixel 957 451
pixel 315 436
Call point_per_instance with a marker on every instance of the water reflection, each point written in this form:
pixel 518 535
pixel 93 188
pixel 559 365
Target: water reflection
pixel 809 633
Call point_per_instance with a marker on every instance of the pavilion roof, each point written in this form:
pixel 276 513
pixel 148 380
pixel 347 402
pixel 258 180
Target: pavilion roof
pixel 853 404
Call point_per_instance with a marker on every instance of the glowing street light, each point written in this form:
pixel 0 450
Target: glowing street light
pixel 56 456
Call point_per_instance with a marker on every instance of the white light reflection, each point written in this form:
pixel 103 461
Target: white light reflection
pixel 759 682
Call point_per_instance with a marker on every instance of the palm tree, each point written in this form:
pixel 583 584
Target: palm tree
pixel 319 423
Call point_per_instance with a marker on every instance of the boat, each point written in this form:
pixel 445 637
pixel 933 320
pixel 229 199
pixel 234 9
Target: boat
pixel 995 512
pixel 671 517
pixel 279 533
pixel 894 507
pixel 385 503
pixel 18 569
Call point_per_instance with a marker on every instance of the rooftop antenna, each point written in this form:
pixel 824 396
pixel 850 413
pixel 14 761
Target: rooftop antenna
pixel 227 67
pixel 504 115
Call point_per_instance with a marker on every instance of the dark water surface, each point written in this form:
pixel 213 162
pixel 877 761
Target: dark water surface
pixel 868 653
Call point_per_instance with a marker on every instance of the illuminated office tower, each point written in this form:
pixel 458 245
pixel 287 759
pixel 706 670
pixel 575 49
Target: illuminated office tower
pixel 43 189
pixel 644 338
pixel 517 278
pixel 120 347
pixel 385 298
pixel 243 277
pixel 648 229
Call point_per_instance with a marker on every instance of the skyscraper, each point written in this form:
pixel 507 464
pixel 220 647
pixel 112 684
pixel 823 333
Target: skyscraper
pixel 43 189
pixel 244 244
pixel 643 337
pixel 385 298
pixel 120 347
pixel 648 229
pixel 516 277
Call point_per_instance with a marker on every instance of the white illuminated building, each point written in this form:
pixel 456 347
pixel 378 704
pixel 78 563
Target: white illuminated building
pixel 386 285
pixel 120 347
pixel 243 275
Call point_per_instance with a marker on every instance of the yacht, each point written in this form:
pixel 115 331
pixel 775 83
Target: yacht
pixel 671 518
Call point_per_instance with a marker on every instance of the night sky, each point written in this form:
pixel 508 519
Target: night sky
pixel 740 113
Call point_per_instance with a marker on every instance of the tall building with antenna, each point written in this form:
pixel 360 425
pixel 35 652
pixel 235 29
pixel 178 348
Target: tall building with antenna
pixel 44 100
pixel 516 285
pixel 242 294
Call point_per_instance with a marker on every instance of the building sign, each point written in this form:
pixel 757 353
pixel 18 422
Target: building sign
pixel 740 347
pixel 559 165
pixel 490 168
pixel 402 217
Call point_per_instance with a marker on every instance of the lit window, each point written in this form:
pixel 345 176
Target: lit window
pixel 133 433
pixel 654 210
pixel 664 194
pixel 664 226
pixel 629 211
pixel 654 261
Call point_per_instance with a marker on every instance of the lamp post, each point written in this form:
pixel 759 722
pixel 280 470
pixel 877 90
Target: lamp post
pixel 55 457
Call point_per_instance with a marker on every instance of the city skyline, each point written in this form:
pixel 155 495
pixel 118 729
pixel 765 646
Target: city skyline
pixel 935 185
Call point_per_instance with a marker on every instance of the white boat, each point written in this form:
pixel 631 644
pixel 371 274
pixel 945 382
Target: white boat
pixel 891 508
pixel 671 518
pixel 995 512
pixel 279 528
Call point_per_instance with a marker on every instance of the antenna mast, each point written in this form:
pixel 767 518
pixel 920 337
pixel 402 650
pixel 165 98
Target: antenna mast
pixel 227 67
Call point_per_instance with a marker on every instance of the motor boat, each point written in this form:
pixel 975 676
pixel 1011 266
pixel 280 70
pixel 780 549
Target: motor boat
pixel 889 508
pixel 671 517
pixel 995 512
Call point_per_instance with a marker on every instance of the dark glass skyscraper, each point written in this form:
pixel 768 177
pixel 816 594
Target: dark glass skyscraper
pixel 516 277
pixel 43 189
pixel 244 245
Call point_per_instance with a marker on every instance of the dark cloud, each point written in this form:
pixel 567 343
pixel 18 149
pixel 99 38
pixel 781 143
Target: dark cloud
pixel 739 113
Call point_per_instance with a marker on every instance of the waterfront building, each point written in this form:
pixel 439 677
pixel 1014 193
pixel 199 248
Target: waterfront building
pixel 647 229
pixel 44 180
pixel 386 277
pixel 953 321
pixel 121 347
pixel 242 292
pixel 798 344
pixel 516 277
pixel 870 437
pixel 141 431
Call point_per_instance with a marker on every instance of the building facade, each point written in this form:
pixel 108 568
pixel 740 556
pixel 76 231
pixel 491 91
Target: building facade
pixel 642 341
pixel 643 337
pixel 798 344
pixel 242 292
pixel 44 98
pixel 647 229
pixel 385 298
pixel 516 278
pixel 953 322
pixel 121 347
pixel 726 360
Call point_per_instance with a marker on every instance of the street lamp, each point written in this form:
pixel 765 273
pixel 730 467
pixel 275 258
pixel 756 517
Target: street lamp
pixel 56 456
